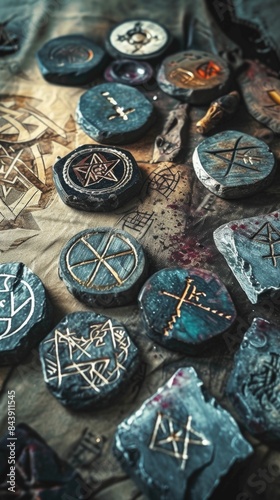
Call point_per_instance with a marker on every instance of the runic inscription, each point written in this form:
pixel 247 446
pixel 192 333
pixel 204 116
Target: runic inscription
pixel 171 437
pixel 95 168
pixel 268 235
pixel 71 54
pixel 120 111
pixel 264 385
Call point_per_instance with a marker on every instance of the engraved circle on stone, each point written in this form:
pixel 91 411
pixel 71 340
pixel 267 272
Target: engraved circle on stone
pixel 101 260
pixel 17 307
pixel 257 340
pixel 70 53
pixel 138 37
pixel 69 176
pixel 185 70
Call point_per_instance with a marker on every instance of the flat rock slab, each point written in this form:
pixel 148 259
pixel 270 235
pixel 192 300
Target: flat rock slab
pixel 71 60
pixel 114 113
pixel 87 359
pixel 251 248
pixel 39 472
pixel 253 385
pixel 97 178
pixel 232 164
pixel 179 441
pixel 103 267
pixel 25 312
pixel 183 309
pixel 194 76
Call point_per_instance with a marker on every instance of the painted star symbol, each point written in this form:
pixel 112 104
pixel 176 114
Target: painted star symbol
pixel 95 168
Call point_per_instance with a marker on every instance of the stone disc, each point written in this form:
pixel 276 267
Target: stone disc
pixel 103 266
pixel 232 164
pixel 182 309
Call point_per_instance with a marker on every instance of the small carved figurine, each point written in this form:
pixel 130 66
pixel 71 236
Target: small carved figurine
pixel 219 110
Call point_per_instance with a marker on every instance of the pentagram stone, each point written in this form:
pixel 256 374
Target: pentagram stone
pixel 194 76
pixel 38 472
pixel 251 248
pixel 179 443
pixel 103 267
pixel 97 178
pixel 114 113
pixel 129 72
pixel 87 359
pixel 184 309
pixel 25 313
pixel 71 60
pixel 253 385
pixel 138 39
pixel 232 164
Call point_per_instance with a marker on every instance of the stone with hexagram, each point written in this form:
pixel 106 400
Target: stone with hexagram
pixel 185 309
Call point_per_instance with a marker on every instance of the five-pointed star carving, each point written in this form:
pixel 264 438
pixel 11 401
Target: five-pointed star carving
pixel 95 168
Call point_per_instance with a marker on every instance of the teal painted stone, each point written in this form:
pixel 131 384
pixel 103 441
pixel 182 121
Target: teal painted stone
pixel 251 248
pixel 114 113
pixel 103 267
pixel 25 312
pixel 97 178
pixel 253 385
pixel 180 442
pixel 183 309
pixel 71 60
pixel 232 164
pixel 87 359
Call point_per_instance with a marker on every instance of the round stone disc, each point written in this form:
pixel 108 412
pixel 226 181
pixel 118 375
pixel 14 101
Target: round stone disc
pixel 129 72
pixel 194 76
pixel 86 359
pixel 182 309
pixel 71 60
pixel 97 178
pixel 103 267
pixel 114 113
pixel 24 312
pixel 232 164
pixel 138 39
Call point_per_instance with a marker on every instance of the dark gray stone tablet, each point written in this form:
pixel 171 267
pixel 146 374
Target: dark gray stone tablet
pixel 25 312
pixel 251 248
pixel 103 267
pixel 185 309
pixel 253 385
pixel 87 359
pixel 232 164
pixel 71 60
pixel 179 443
pixel 114 113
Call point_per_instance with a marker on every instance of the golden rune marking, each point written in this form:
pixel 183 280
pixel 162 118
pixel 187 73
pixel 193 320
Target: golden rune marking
pixel 274 95
pixel 184 76
pixel 120 111
pixel 190 296
pixel 171 437
pixel 268 235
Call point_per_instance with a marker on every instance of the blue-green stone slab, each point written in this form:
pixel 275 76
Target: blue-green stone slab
pixel 25 312
pixel 71 60
pixel 254 383
pixel 103 267
pixel 97 178
pixel 194 76
pixel 87 359
pixel 179 443
pixel 251 248
pixel 40 474
pixel 184 309
pixel 114 113
pixel 232 164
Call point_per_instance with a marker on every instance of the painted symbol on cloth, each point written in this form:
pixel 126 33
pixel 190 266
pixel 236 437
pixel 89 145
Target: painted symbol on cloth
pixel 164 181
pixel 70 53
pixel 83 360
pixel 171 437
pixel 237 156
pixel 138 222
pixel 95 168
pixel 17 305
pixel 190 296
pixel 264 385
pixel 208 70
pixel 111 260
pixel 268 235
pixel 137 37
pixel 89 449
pixel 120 111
